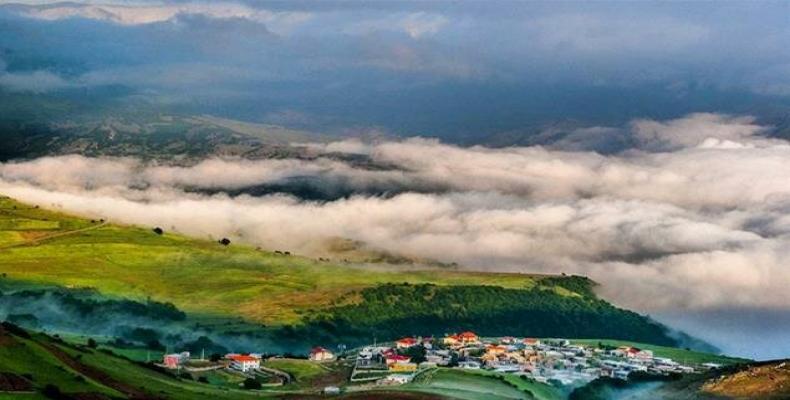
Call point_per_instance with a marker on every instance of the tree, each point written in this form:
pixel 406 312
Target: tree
pixel 224 241
pixel 92 343
pixel 215 357
pixel 158 230
pixel 53 392
pixel 251 383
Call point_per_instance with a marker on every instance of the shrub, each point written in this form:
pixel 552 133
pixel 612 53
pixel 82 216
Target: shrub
pixel 251 384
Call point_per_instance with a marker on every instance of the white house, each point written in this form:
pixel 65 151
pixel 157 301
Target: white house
pixel 244 363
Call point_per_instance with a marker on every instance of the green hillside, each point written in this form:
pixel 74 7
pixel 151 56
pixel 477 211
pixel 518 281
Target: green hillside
pixel 40 364
pixel 243 290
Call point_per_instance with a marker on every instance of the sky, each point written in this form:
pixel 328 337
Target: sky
pixel 669 184
pixel 457 70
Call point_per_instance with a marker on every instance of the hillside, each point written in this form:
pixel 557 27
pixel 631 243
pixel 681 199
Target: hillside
pixel 240 292
pixel 769 380
pixel 149 135
pixel 35 363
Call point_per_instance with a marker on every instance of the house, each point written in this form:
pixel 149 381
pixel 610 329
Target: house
pixel 402 367
pixel 468 338
pixel 496 349
pixel 397 358
pixel 469 365
pixel 451 340
pixel 507 340
pixel 406 343
pixel 175 360
pixel 531 341
pixel 634 352
pixel 244 363
pixel 321 354
pixel 331 390
pixel 395 379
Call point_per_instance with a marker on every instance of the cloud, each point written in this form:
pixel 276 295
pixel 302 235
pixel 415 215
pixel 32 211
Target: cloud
pixel 415 24
pixel 696 130
pixel 131 13
pixel 593 33
pixel 681 225
pixel 37 81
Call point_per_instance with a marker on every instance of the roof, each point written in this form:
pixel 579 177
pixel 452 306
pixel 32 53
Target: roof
pixel 241 358
pixel 408 340
pixel 398 357
pixel 467 335
pixel 318 349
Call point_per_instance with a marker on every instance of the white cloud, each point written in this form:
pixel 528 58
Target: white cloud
pixel 131 13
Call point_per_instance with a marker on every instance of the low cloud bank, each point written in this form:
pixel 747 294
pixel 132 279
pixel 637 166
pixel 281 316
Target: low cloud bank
pixel 694 217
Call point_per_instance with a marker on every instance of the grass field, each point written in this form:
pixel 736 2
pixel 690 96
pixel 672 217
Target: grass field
pixel 301 370
pixel 465 385
pixel 135 262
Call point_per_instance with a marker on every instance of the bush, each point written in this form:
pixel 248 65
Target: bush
pixel 251 384
pixel 92 343
pixel 53 392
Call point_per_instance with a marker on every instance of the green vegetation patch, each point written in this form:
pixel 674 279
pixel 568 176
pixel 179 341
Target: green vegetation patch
pixel 466 386
pixel 393 310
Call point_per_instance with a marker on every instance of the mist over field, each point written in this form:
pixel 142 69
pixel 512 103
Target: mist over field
pixel 685 223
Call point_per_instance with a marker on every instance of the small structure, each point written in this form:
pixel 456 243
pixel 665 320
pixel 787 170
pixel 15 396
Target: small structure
pixel 395 379
pixel 634 352
pixel 224 241
pixel 402 367
pixel 406 343
pixel 451 340
pixel 175 360
pixel 392 358
pixel 468 338
pixel 461 339
pixel 469 365
pixel 244 363
pixel 321 354
pixel 331 390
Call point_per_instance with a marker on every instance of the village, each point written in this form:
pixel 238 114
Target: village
pixel 556 362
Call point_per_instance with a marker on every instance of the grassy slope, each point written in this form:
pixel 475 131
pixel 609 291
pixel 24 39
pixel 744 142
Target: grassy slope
pixel 466 386
pixel 134 262
pixel 766 380
pixel 36 356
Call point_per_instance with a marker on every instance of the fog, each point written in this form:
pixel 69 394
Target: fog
pixel 691 218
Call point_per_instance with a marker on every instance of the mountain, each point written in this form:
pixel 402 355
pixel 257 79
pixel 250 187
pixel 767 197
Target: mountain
pixel 149 136
pixel 108 279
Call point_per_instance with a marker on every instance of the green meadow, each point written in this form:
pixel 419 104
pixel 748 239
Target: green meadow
pixel 44 247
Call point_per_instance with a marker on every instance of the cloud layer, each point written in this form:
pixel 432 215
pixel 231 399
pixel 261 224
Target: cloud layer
pixel 693 218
